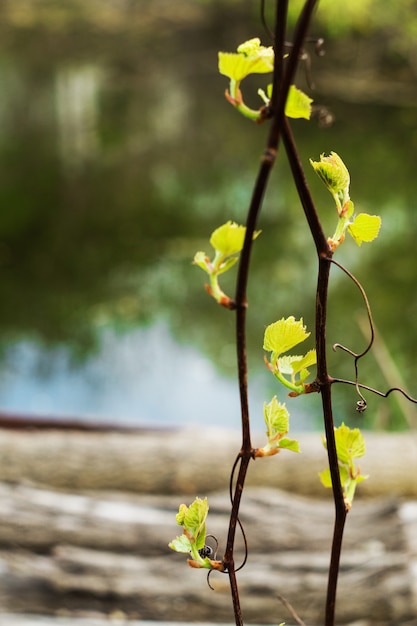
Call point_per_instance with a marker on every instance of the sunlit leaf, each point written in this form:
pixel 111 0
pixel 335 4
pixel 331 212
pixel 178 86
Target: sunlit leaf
pixel 294 364
pixel 277 424
pixel 289 444
pixel 298 104
pixel 181 544
pixel 276 418
pixel 251 58
pixel 326 478
pixel 195 520
pixel 350 443
pixel 365 228
pixel 228 239
pixel 333 173
pixel 180 516
pixel 284 334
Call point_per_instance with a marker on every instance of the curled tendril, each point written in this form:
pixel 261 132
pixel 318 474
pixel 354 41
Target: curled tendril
pixel 212 555
pixel 361 404
pixel 381 394
pixel 264 22
pixel 242 530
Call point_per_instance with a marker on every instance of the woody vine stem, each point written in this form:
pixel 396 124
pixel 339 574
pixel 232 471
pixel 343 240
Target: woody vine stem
pixel 282 101
pixel 281 84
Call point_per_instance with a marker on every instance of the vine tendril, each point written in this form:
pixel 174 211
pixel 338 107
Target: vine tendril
pixel 361 404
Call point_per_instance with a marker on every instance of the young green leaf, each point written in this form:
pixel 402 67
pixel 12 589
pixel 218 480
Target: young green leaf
pixel 193 520
pixel 251 58
pixel 350 445
pixel 227 241
pixel 284 334
pixel 280 337
pixel 298 104
pixel 334 174
pixel 365 228
pixel 181 544
pixel 276 418
pixel 295 364
pixel 289 444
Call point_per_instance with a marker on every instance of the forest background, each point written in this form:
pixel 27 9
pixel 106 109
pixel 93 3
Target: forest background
pixel 118 157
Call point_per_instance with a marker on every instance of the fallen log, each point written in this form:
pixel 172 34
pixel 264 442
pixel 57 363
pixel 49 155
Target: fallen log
pixel 107 552
pixel 191 462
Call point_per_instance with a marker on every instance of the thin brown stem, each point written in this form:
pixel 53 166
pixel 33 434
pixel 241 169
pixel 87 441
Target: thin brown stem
pixel 323 379
pixel 281 85
pixel 325 382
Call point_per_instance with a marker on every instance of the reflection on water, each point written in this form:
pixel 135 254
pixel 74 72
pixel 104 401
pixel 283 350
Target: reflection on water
pixel 140 378
pixel 118 157
pixel 77 90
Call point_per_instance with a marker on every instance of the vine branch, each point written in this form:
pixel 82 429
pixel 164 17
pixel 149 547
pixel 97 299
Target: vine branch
pixel 281 84
pixel 324 381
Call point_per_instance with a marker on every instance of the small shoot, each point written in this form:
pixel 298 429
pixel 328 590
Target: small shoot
pixel 277 426
pixel 291 371
pixel 253 58
pixel 227 242
pixel 193 520
pixel 335 175
pixel 350 445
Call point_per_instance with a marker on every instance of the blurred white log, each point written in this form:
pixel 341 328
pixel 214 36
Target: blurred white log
pixel 76 553
pixel 189 461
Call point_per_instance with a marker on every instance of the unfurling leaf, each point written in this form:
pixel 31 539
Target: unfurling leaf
pixel 350 445
pixel 335 176
pixel 280 337
pixel 333 173
pixel 227 241
pixel 251 58
pixel 276 418
pixel 193 520
pixel 365 228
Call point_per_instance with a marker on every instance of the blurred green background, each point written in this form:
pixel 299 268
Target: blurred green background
pixel 118 157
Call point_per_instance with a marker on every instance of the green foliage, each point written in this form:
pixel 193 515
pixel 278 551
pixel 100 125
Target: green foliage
pixel 280 337
pixel 277 426
pixel 350 445
pixel 250 58
pixel 335 175
pixel 253 58
pixel 193 520
pixel 227 241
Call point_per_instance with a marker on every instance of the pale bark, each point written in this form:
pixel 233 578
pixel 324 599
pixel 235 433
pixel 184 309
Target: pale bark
pixel 189 461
